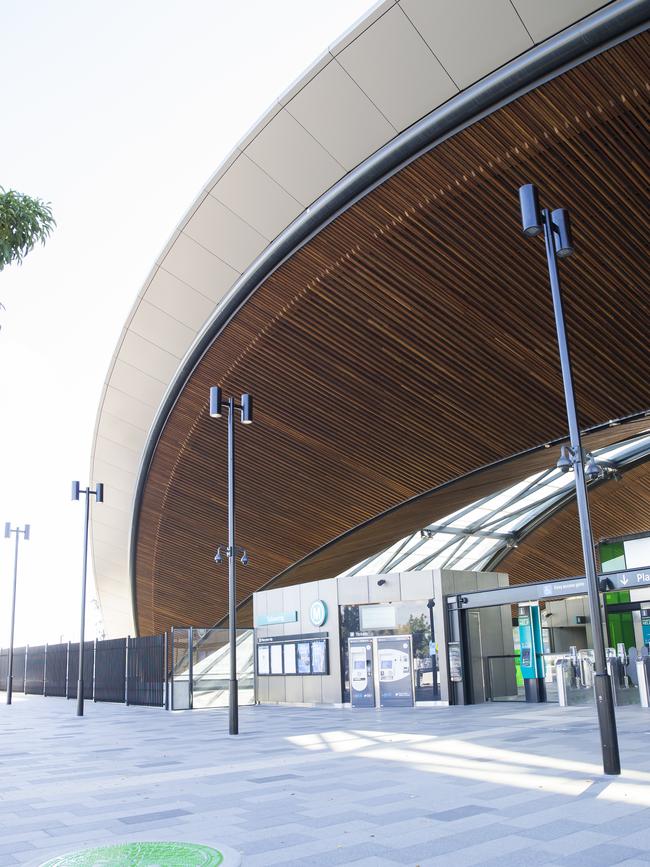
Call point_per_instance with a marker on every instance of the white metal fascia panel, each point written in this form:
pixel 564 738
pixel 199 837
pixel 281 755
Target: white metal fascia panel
pixel 146 356
pixel 120 431
pixel 124 406
pixel 117 456
pixel 224 234
pixel 395 67
pixel 136 383
pixel 470 39
pixel 545 19
pixel 108 516
pixel 109 474
pixel 162 329
pixel 110 553
pixel 290 155
pixel 361 25
pixel 110 536
pixel 334 109
pixel 199 268
pixel 170 294
pixel 248 191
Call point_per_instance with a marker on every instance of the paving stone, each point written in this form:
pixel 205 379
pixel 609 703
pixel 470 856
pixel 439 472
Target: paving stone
pixel 600 856
pixel 521 795
pixel 153 817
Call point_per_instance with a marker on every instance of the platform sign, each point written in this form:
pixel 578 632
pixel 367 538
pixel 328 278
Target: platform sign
pixel 362 681
pixel 395 666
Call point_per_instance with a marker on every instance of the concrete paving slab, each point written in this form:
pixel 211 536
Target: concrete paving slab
pixel 476 785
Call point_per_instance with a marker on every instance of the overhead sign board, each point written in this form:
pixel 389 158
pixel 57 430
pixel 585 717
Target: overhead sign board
pixel 627 580
pixel 377 617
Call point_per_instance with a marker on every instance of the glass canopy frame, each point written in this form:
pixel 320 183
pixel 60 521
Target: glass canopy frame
pixel 476 537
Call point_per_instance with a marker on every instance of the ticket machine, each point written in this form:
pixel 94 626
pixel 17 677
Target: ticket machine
pixel 381 671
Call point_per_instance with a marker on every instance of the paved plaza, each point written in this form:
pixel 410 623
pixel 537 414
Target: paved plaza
pixel 491 785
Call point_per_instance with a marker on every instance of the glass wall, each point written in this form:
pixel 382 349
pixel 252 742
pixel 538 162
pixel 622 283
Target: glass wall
pixel 201 677
pixel 397 618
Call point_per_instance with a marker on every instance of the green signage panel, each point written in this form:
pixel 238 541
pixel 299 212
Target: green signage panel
pixel 279 617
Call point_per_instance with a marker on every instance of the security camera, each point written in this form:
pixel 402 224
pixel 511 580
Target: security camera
pixel 381 582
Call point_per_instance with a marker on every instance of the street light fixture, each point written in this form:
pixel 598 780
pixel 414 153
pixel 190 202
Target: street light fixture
pixel 10 671
pixel 231 549
pixel 99 498
pixel 559 245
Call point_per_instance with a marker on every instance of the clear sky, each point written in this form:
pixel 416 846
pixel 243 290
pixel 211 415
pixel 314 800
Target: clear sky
pixel 117 113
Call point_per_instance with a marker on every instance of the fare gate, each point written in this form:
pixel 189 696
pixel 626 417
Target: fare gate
pixel 546 673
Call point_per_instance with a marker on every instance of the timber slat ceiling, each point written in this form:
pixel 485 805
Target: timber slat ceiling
pixel 411 342
pixel 553 550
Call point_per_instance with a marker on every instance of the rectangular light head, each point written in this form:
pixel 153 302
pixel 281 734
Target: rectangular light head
pixel 247 409
pixel 216 402
pixel 26 532
pixel 99 492
pixel 75 490
pixel 562 233
pixel 7 530
pixel 531 216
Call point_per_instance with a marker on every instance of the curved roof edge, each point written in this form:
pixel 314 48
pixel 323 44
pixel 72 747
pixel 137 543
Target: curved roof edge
pixel 125 439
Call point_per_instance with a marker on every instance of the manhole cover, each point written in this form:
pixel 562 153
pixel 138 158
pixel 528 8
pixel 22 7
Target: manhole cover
pixel 141 855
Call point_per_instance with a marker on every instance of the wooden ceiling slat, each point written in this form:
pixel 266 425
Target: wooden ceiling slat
pixel 410 342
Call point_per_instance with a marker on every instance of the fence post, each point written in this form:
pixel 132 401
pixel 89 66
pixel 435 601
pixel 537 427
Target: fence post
pixel 165 667
pixel 45 673
pixel 191 668
pixel 67 670
pixel 126 673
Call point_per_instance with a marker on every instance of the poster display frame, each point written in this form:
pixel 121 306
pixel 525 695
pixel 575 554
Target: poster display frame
pixel 288 655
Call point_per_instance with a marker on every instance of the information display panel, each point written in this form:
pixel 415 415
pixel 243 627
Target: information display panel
pixel 296 658
pixel 304 657
pixel 289 652
pixel 263 659
pixel 377 617
pixel 319 657
pixel 276 659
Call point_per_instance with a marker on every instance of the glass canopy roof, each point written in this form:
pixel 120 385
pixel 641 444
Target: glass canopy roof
pixel 477 536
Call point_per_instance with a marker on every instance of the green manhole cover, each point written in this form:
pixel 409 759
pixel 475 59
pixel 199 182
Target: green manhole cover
pixel 141 855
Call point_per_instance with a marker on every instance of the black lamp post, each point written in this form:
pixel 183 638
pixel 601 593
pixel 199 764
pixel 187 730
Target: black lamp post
pixel 99 497
pixel 231 550
pixel 10 671
pixel 557 236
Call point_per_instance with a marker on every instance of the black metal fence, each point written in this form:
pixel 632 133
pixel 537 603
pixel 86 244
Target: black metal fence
pixel 35 670
pixel 145 668
pixel 110 668
pixel 73 669
pixel 56 670
pixel 131 670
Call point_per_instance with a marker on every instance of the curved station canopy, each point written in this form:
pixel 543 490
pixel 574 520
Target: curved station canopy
pixel 357 265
